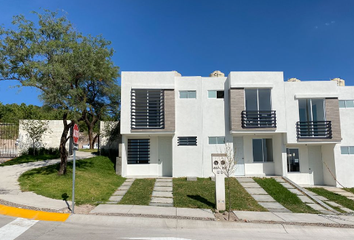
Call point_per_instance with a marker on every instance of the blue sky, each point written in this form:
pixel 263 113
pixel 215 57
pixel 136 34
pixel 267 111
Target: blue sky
pixel 306 39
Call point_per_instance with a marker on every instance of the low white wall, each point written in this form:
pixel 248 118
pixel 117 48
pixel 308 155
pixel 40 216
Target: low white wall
pixel 50 139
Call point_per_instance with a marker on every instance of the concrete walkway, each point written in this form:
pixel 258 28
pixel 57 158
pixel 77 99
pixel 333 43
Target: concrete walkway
pixel 162 193
pixel 261 196
pixel 306 200
pixel 334 204
pixel 10 190
pixel 121 191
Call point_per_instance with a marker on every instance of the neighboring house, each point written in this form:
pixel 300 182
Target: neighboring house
pixel 171 125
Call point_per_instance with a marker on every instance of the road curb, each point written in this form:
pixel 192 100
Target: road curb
pixel 33 214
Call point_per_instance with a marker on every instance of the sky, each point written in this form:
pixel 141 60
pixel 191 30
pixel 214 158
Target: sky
pixel 305 39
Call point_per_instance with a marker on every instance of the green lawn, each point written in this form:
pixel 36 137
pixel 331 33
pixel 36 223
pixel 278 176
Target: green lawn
pixel 282 195
pixel 201 194
pixel 349 189
pixel 139 193
pixel 95 181
pixel 345 202
pixel 30 158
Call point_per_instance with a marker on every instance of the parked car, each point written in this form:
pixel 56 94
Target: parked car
pixel 87 146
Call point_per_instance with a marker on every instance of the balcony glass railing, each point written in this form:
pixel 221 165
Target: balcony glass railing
pixel 314 129
pixel 259 119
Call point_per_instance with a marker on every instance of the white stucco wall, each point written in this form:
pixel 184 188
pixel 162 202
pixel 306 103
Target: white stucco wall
pixel 345 163
pixel 50 139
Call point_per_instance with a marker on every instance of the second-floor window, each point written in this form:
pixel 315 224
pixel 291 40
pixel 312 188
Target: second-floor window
pixel 147 109
pixel 187 94
pixel 216 94
pixel 312 118
pixel 346 103
pixel 258 112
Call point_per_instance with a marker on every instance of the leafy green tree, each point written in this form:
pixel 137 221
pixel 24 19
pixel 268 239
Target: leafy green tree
pixel 53 57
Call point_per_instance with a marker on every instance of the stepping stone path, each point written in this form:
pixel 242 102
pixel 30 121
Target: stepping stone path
pixel 121 191
pixel 162 193
pixel 261 196
pixel 334 204
pixel 305 199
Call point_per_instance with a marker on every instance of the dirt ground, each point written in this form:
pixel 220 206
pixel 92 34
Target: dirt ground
pixel 224 216
pixel 81 209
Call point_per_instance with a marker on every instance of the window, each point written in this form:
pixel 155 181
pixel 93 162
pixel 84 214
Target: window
pixel 216 140
pixel 346 103
pixel 187 141
pixel 311 110
pixel 187 94
pixel 293 160
pixel 147 109
pixel 312 117
pixel 258 99
pixel 215 94
pixel 262 150
pixel 347 150
pixel 138 151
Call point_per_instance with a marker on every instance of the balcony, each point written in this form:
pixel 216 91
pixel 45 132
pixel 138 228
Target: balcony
pixel 314 130
pixel 259 119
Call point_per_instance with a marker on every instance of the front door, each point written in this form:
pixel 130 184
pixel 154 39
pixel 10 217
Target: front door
pixel 239 157
pixel 165 156
pixel 316 165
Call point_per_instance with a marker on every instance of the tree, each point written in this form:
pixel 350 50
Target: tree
pixel 62 63
pixel 35 130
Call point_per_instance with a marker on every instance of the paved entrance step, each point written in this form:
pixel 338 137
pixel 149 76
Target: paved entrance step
pixel 121 191
pixel 162 194
pixel 261 196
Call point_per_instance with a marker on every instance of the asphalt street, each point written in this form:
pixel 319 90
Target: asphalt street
pixel 91 227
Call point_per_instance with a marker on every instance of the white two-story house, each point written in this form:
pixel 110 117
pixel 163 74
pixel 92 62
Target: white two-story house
pixel 172 125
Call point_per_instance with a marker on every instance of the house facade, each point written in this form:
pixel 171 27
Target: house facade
pixel 173 125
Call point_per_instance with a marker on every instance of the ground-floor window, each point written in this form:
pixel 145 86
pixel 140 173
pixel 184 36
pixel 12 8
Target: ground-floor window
pixel 138 151
pixel 293 160
pixel 262 150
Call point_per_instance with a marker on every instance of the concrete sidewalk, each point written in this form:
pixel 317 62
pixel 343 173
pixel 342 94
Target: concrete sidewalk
pixel 207 214
pixel 193 213
pixel 299 218
pixel 10 190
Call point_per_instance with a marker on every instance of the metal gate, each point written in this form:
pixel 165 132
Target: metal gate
pixel 8 140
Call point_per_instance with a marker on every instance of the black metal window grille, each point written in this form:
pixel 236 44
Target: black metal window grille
pixel 147 109
pixel 314 129
pixel 187 141
pixel 259 119
pixel 138 151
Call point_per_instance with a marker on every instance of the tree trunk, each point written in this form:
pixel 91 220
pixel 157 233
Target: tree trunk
pixel 62 149
pixel 90 133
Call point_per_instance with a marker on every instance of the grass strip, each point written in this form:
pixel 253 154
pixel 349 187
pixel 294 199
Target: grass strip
pixel 201 194
pixel 341 200
pixel 139 193
pixel 95 181
pixel 283 196
pixel 349 190
pixel 30 158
